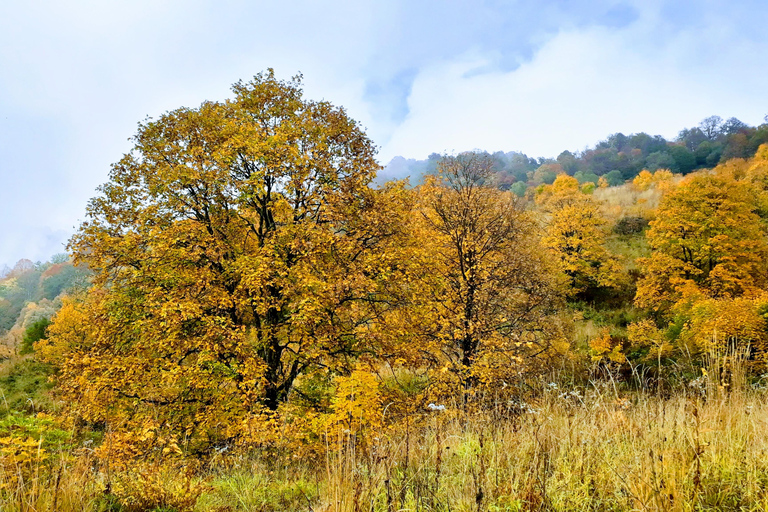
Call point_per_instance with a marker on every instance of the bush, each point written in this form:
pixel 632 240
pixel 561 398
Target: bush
pixel 157 488
pixel 35 332
pixel 614 178
pixel 630 225
pixel 518 188
pixel 25 385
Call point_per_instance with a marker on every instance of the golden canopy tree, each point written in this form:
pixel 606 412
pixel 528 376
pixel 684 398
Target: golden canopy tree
pixel 706 239
pixel 575 235
pixel 489 299
pixel 753 171
pixel 235 247
pixel 707 267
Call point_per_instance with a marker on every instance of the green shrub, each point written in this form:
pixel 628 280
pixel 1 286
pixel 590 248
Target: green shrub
pixel 35 332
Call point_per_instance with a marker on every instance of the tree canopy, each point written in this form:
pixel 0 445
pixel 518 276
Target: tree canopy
pixel 237 246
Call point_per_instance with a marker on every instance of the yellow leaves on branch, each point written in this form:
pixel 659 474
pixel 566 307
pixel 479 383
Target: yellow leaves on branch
pixel 645 334
pixel 489 296
pixel 18 458
pixel 356 405
pixel 156 487
pixel 713 323
pixel 604 347
pixel 661 179
pixel 236 247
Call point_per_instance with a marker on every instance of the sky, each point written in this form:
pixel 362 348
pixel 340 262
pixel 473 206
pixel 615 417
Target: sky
pixel 422 76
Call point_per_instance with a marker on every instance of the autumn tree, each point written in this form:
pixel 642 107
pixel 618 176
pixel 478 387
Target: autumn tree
pixel 660 179
pixel 706 275
pixel 490 298
pixel 706 237
pixel 575 236
pixel 236 247
pixel 754 173
pixel 546 173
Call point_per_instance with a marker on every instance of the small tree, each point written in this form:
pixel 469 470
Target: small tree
pixel 492 295
pixel 35 332
pixel 575 236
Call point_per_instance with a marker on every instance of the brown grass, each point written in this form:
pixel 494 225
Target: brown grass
pixel 576 449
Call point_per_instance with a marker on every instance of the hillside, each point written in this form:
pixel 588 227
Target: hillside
pixel 30 292
pixel 618 159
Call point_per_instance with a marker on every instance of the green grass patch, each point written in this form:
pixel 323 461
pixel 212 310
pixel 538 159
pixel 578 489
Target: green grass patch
pixel 25 386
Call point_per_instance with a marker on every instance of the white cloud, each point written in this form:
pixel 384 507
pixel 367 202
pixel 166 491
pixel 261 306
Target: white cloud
pixel 34 242
pixel 579 87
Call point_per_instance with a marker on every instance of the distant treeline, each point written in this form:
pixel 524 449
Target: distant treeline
pixel 28 282
pixel 618 158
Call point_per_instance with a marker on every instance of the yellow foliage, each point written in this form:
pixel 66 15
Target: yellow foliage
pixel 19 456
pixel 717 323
pixel 706 236
pixel 488 294
pixel 152 487
pixel 563 186
pixel 707 266
pixel 661 179
pixel 238 246
pixel 644 333
pixel 754 172
pixel 356 405
pixel 605 347
pixel 575 236
pixel 643 180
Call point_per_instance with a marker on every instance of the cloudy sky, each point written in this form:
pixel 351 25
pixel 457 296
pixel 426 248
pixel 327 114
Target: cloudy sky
pixel 422 76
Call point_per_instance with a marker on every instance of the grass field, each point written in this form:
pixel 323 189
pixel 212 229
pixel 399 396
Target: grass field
pixel 583 448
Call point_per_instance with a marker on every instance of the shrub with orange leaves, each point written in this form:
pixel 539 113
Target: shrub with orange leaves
pixel 605 348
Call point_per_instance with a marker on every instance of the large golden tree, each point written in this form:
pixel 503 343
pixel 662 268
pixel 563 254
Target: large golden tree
pixel 707 238
pixel 237 246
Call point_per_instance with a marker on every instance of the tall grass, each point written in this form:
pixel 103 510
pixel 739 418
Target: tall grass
pixel 590 448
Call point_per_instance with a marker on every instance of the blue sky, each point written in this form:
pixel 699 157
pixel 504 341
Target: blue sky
pixel 422 76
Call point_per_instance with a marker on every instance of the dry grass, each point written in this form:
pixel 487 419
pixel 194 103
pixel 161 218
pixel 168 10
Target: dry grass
pixel 574 451
pixel 580 449
pixel 627 201
pixel 65 486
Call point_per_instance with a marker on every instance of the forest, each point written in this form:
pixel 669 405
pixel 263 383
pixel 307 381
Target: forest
pixel 253 317
pixel 617 159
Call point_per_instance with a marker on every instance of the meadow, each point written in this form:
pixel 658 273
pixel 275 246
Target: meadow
pixel 596 446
